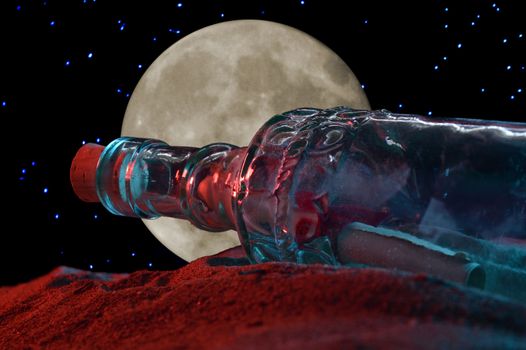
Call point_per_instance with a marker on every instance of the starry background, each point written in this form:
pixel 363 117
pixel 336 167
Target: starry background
pixel 68 69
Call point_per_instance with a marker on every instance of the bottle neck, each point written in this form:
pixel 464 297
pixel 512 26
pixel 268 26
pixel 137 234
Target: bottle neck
pixel 209 185
pixel 147 178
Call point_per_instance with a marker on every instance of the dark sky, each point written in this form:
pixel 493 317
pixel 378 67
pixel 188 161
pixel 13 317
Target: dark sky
pixel 68 67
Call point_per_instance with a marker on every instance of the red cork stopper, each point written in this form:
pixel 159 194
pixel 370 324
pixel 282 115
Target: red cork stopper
pixel 83 172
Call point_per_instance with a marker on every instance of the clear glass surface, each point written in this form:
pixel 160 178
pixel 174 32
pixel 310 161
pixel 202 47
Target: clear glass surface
pixel 346 187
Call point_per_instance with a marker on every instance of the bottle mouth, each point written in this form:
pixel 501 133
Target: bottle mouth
pixel 122 175
pixel 83 172
pixel 104 174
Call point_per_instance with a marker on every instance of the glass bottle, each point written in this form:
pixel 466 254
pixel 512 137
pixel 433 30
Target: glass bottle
pixel 340 186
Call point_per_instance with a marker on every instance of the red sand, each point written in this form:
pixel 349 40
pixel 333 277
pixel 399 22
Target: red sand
pixel 273 305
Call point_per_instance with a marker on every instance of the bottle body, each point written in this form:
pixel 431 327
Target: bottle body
pixel 443 197
pixel 310 173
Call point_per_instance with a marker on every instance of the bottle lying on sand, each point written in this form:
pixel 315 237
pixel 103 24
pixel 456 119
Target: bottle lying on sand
pixel 446 197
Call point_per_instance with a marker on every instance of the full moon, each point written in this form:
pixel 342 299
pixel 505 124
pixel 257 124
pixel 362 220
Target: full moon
pixel 220 84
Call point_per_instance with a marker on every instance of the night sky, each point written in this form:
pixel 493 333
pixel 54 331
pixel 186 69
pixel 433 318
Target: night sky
pixel 69 67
